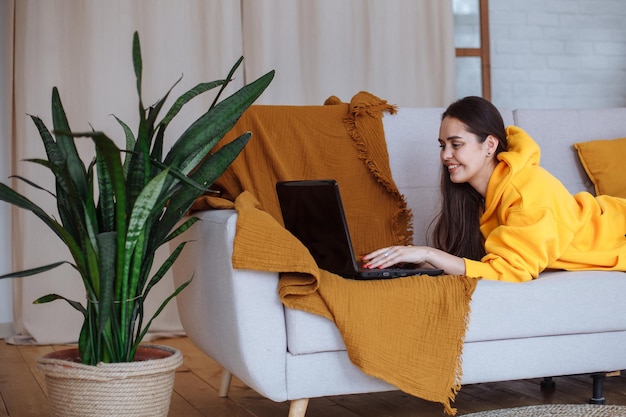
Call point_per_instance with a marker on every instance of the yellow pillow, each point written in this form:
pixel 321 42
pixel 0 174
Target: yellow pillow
pixel 603 161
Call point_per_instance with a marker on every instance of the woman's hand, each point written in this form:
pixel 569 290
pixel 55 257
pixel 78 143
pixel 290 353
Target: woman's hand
pixel 392 255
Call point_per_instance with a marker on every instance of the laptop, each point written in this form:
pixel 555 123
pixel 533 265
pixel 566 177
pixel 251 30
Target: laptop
pixel 313 212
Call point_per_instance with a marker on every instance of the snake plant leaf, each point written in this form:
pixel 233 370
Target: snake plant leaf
pixel 92 223
pixel 106 210
pixel 165 266
pixel 53 152
pixel 86 342
pixel 69 202
pixel 105 293
pixel 158 311
pixel 181 229
pixel 11 196
pixel 144 206
pixel 33 271
pixel 205 174
pixel 130 141
pixel 215 164
pixel 177 177
pixel 143 130
pixel 196 142
pixel 110 154
pixel 91 274
pixel 229 77
pixel 135 234
pixel 138 173
pixel 155 109
pixel 61 175
pixel 66 144
pixel 53 297
pixel 106 202
pixel 157 147
pixel 137 63
pixel 32 184
pixel 187 96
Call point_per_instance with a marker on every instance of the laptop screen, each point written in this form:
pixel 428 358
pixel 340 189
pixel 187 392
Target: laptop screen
pixel 312 212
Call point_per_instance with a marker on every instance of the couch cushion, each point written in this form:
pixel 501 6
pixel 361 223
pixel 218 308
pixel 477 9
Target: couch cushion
pixel 603 161
pixel 557 303
pixel 308 333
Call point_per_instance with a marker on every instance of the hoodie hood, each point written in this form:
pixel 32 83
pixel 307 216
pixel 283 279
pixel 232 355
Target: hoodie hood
pixel 523 152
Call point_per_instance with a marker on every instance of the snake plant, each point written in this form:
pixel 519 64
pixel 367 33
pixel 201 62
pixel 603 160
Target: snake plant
pixel 117 210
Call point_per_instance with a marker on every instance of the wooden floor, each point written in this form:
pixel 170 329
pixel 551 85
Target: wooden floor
pixel 22 392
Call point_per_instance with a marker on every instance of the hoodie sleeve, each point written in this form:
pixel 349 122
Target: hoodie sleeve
pixel 523 247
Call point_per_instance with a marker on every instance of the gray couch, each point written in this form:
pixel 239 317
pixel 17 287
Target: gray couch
pixel 562 323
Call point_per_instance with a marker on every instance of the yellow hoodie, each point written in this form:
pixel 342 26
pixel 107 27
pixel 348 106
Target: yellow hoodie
pixel 531 222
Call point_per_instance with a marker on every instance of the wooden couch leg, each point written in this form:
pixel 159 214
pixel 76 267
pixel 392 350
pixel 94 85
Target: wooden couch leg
pixel 225 383
pixel 297 408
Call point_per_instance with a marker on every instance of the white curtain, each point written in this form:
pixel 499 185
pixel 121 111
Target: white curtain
pixel 399 50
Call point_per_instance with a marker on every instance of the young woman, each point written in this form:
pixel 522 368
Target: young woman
pixel 503 217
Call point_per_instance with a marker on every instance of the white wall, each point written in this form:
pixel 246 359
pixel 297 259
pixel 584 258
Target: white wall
pixel 558 53
pixel 6 305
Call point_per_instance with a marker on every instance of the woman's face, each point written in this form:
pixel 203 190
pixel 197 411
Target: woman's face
pixel 465 157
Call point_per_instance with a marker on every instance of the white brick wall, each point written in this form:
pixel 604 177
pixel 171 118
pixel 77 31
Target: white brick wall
pixel 558 53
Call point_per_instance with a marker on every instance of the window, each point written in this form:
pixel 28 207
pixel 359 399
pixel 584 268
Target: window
pixel 471 40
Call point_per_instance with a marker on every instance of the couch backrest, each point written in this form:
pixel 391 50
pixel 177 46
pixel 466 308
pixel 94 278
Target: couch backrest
pixel 556 131
pixel 412 133
pixel 411 136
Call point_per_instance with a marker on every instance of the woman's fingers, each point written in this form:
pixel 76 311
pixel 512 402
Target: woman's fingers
pixel 381 258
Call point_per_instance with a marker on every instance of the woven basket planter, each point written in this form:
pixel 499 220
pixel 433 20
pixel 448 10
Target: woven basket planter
pixel 142 388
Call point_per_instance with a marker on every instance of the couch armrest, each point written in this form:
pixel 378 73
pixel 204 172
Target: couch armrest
pixel 234 316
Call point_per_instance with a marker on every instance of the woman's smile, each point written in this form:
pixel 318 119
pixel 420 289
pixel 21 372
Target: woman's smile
pixel 453 167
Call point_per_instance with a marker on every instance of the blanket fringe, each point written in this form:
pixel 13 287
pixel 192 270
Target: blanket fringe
pixel 458 372
pixel 365 104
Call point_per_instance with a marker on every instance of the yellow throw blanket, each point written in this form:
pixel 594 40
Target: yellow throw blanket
pixel 408 331
pixel 338 141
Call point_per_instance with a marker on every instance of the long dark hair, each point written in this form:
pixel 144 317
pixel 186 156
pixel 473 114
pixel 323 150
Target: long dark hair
pixel 457 227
